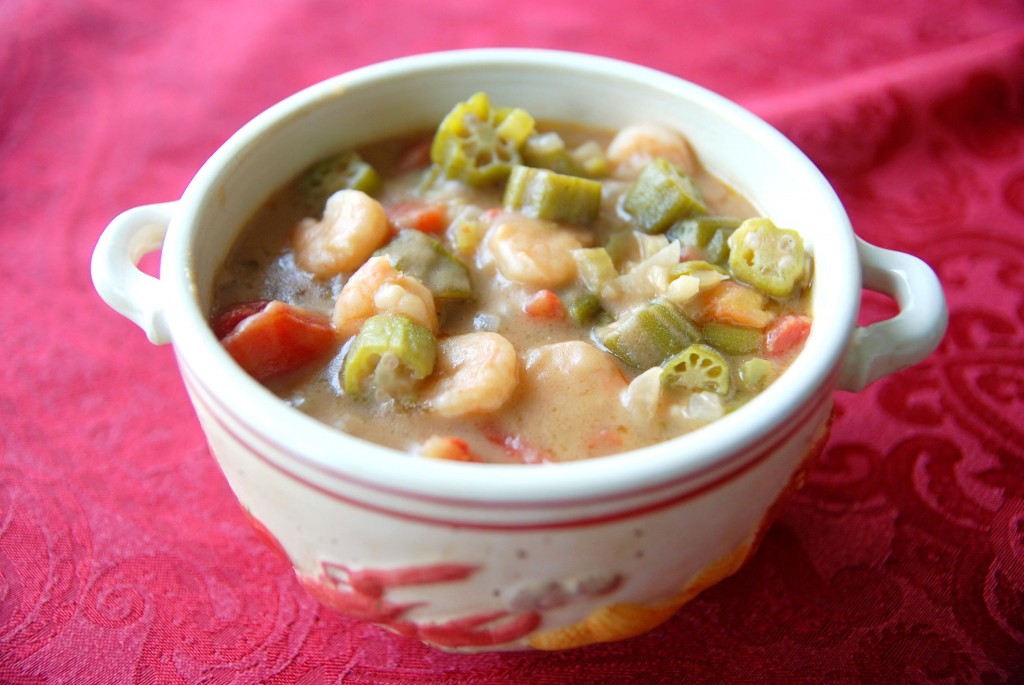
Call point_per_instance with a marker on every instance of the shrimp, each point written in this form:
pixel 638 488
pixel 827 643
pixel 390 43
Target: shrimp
pixel 477 373
pixel 573 368
pixel 634 146
pixel 352 227
pixel 592 381
pixel 378 287
pixel 532 252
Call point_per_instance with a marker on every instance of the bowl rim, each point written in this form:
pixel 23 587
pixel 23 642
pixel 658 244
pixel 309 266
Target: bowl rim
pixel 342 459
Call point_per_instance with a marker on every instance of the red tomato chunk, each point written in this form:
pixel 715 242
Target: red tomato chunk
pixel 228 320
pixel 787 333
pixel 271 338
pixel 420 216
pixel 544 304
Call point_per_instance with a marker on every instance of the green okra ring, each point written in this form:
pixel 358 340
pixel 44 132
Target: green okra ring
pixel 544 194
pixel 411 343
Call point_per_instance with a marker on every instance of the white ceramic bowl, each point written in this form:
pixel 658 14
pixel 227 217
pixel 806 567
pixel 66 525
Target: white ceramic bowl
pixel 470 556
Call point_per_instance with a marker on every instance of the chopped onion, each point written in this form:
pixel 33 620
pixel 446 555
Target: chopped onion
pixel 486 322
pixel 704 407
pixel 642 395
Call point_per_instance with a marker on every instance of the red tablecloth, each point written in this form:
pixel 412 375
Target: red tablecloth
pixel 123 555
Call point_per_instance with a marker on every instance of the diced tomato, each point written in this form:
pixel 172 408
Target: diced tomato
pixel 544 305
pixel 416 156
pixel 272 338
pixel 786 334
pixel 730 302
pixel 448 447
pixel 227 320
pixel 420 216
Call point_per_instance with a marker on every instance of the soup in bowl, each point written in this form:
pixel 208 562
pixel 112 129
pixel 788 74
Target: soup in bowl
pixel 469 291
pixel 649 395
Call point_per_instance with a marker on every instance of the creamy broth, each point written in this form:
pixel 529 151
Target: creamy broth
pixel 573 390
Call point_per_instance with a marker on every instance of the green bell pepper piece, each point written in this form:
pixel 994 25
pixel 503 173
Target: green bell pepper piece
pixel 426 259
pixel 648 336
pixel 661 195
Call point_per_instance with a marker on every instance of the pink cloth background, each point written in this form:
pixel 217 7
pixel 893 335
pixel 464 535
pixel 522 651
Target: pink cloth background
pixel 124 557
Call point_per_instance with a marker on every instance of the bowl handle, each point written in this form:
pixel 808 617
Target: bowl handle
pixel 888 346
pixel 115 273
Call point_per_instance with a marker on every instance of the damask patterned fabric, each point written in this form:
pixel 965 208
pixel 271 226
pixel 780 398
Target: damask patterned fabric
pixel 124 557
